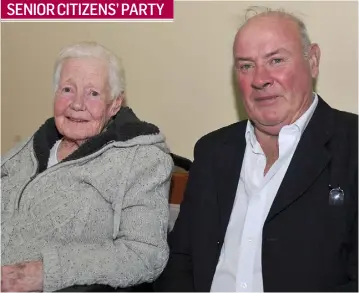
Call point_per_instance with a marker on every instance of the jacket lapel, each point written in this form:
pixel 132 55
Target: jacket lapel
pixel 228 167
pixel 309 159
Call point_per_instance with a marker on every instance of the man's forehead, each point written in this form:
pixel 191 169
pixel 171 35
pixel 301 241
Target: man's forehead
pixel 267 35
pixel 268 24
pixel 264 53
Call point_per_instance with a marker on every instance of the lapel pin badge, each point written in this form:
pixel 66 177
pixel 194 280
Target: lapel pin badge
pixel 336 196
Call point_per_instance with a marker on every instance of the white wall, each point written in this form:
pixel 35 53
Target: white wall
pixel 178 74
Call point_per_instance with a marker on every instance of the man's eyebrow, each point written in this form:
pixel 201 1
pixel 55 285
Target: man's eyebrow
pixel 280 50
pixel 243 59
pixel 270 54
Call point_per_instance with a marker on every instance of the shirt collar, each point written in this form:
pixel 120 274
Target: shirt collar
pixel 300 123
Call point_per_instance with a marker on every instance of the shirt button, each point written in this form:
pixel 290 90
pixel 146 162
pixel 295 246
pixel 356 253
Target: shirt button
pixel 243 285
pixel 249 239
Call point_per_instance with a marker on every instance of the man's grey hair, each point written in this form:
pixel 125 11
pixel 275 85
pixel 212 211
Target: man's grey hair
pixel 253 11
pixel 116 73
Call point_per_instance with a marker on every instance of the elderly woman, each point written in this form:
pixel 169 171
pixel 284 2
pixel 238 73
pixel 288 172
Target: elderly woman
pixel 85 199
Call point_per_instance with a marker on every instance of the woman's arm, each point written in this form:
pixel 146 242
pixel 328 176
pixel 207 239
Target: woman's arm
pixel 139 252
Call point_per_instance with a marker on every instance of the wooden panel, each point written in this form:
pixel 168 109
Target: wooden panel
pixel 178 186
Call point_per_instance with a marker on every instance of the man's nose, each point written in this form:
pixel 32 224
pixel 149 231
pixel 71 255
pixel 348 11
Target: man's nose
pixel 261 78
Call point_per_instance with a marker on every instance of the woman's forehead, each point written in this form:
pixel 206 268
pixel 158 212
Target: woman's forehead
pixel 91 69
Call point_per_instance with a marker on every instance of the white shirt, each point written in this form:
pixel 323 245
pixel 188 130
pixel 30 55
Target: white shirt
pixel 239 268
pixel 53 154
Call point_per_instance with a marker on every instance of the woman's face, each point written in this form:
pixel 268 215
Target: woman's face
pixel 82 101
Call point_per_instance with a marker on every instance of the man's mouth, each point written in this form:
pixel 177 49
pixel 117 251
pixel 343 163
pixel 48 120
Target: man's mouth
pixel 266 100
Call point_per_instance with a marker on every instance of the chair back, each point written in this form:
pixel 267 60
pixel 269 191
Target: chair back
pixel 178 187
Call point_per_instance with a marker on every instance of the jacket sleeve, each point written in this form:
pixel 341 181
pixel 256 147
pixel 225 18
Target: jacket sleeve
pixel 140 251
pixel 178 274
pixel 352 259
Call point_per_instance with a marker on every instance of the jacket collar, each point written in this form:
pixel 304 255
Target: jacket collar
pixel 123 126
pixel 309 160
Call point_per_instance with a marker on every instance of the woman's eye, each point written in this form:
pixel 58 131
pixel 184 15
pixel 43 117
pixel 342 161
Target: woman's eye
pixel 94 93
pixel 66 90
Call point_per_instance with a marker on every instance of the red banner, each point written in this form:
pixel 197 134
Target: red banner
pixel 96 10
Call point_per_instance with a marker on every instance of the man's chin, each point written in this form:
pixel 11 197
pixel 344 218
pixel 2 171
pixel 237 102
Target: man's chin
pixel 271 127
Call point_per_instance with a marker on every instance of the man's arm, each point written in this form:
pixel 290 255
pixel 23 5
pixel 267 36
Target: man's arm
pixel 352 260
pixel 352 264
pixel 178 274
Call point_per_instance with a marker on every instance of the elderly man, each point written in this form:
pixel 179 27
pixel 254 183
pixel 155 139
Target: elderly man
pixel 271 203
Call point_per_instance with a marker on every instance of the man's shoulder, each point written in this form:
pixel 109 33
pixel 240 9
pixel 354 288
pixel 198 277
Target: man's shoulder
pixel 333 120
pixel 222 135
pixel 345 126
pixel 346 119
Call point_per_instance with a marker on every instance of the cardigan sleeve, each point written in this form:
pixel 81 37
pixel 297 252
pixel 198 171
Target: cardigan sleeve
pixel 139 251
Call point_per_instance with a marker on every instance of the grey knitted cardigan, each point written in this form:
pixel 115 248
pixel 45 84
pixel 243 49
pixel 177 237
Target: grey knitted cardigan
pixel 98 217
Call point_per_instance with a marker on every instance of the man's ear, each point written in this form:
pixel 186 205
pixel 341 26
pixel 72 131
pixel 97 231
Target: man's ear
pixel 116 105
pixel 314 59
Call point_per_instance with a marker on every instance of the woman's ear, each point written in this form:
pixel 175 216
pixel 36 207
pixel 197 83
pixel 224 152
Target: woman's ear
pixel 116 105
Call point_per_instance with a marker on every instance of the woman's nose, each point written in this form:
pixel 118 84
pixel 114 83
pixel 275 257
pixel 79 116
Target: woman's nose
pixel 79 102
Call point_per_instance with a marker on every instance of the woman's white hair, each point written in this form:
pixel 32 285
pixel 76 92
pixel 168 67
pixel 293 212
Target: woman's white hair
pixel 253 11
pixel 116 73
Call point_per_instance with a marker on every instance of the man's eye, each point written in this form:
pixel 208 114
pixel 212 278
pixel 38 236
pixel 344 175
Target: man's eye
pixel 245 66
pixel 94 93
pixel 277 60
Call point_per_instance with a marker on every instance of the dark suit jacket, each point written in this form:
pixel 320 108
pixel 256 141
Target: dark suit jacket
pixel 308 244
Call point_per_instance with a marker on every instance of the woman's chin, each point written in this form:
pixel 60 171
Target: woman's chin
pixel 73 136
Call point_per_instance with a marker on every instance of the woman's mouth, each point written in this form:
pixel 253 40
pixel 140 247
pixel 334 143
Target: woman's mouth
pixel 77 120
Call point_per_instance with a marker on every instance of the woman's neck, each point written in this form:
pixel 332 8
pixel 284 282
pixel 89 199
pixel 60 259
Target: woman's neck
pixel 67 147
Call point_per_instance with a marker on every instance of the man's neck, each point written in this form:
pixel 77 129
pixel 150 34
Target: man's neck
pixel 270 147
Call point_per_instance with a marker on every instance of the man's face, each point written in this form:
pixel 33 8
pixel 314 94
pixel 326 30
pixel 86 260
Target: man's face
pixel 274 76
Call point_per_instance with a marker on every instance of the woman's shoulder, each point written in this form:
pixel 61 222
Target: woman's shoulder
pixel 140 153
pixel 15 150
